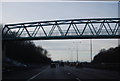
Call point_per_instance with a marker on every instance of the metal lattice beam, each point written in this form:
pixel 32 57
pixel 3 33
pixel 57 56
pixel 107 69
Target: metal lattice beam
pixel 63 29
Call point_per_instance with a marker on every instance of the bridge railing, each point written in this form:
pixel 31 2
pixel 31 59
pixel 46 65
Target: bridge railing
pixel 70 33
pixel 79 28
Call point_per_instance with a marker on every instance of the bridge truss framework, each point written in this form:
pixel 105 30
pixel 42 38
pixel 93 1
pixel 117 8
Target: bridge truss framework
pixel 63 29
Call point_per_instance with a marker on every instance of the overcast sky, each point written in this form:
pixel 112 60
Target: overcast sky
pixel 14 12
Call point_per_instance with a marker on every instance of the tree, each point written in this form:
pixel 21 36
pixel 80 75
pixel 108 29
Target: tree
pixel 111 55
pixel 25 51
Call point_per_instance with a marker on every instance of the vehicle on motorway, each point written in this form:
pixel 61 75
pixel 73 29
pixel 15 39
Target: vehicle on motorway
pixel 61 64
pixel 79 65
pixel 53 65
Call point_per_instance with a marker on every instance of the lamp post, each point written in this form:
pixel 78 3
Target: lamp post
pixel 91 49
pixel 71 54
pixel 77 49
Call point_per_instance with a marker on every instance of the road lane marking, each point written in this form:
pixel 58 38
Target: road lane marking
pixel 68 73
pixel 35 75
pixel 78 79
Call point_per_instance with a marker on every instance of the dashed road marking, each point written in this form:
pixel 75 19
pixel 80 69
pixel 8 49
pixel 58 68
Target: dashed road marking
pixel 68 73
pixel 78 79
pixel 35 76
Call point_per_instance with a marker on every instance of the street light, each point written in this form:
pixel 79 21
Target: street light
pixel 91 49
pixel 71 54
pixel 77 49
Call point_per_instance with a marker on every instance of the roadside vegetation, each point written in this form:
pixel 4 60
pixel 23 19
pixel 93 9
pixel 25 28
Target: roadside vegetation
pixel 19 54
pixel 106 59
pixel 112 55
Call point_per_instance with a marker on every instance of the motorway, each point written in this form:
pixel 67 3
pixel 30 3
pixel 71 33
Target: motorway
pixel 65 73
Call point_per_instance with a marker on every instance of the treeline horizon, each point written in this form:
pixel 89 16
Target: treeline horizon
pixel 25 51
pixel 111 55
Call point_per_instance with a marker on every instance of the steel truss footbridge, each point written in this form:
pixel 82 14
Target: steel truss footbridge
pixel 63 29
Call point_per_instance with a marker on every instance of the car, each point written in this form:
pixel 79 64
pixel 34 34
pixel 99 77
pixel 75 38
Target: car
pixel 53 65
pixel 61 64
pixel 79 65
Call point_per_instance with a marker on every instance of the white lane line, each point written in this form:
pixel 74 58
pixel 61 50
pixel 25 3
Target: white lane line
pixel 68 73
pixel 72 74
pixel 35 76
pixel 78 79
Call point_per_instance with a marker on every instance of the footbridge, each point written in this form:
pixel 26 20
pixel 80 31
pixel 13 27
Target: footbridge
pixel 63 29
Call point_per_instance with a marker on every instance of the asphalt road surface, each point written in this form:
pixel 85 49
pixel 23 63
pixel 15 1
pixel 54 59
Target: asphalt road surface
pixel 65 73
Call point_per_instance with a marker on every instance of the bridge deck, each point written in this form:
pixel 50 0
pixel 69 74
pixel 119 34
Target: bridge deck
pixel 63 29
